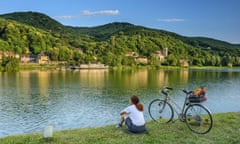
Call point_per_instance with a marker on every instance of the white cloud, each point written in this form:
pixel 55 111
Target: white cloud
pixel 90 13
pixel 65 17
pixel 171 20
pixel 102 12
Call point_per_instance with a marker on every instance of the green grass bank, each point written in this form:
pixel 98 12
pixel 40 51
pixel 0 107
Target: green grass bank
pixel 226 130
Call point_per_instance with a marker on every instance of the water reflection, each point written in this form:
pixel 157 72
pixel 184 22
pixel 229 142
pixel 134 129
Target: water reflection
pixel 94 78
pixel 29 100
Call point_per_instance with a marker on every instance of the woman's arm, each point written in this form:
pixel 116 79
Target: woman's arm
pixel 123 112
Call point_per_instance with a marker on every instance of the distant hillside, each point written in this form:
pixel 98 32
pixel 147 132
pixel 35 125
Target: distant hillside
pixel 109 43
pixel 35 19
pixel 213 44
pixel 20 38
pixel 108 30
pixel 42 21
pixel 104 32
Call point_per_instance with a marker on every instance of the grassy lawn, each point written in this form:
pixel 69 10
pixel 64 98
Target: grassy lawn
pixel 226 130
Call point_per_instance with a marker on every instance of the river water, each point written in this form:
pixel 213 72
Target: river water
pixel 30 100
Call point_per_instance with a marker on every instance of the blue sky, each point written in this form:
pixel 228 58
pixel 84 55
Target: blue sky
pixel 218 19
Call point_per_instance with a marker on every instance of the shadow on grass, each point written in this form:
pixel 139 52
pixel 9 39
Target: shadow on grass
pixel 125 130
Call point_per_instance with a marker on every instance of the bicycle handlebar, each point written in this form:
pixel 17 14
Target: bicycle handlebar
pixel 187 92
pixel 165 90
pixel 168 88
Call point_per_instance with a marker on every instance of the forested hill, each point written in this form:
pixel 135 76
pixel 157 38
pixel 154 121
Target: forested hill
pixel 35 19
pixel 108 43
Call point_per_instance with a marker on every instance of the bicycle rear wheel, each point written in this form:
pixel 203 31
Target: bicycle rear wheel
pixel 160 111
pixel 198 118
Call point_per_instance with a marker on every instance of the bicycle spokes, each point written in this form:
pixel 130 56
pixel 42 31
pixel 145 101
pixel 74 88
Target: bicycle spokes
pixel 194 120
pixel 160 111
pixel 161 106
pixel 198 119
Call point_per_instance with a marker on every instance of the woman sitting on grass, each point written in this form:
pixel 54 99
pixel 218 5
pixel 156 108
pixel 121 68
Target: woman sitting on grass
pixel 133 116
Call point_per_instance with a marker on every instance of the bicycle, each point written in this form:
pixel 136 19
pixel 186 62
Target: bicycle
pixel 196 116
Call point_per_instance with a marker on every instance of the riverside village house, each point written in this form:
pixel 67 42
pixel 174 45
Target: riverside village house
pixel 43 58
pixel 160 55
pixel 40 58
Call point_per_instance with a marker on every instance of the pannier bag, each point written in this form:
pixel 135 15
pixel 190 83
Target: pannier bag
pixel 198 95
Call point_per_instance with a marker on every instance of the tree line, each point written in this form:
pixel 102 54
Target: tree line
pixel 76 47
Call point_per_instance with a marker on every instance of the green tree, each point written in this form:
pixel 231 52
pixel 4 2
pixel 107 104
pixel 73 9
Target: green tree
pixel 172 60
pixel 154 60
pixel 10 64
pixel 54 54
pixel 128 61
pixel 63 54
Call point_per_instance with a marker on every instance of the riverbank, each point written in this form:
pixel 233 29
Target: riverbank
pixel 226 129
pixel 34 66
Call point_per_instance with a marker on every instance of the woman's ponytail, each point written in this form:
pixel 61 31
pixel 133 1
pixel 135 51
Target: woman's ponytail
pixel 139 107
pixel 136 102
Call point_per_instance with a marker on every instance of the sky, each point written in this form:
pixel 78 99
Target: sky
pixel 217 19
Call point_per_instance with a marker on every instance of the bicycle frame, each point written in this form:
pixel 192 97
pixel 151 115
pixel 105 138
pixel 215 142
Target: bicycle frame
pixel 196 116
pixel 176 108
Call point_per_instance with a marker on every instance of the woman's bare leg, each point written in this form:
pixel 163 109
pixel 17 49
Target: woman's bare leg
pixel 122 119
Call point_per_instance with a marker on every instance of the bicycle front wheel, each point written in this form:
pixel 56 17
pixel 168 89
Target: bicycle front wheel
pixel 160 111
pixel 198 118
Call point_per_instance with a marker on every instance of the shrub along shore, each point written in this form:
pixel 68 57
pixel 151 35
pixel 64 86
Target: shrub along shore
pixel 226 130
pixel 55 67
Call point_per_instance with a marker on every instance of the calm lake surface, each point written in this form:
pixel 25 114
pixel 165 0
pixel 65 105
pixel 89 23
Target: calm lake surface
pixel 30 100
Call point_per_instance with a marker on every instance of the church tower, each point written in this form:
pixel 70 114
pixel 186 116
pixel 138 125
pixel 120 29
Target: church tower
pixel 165 52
